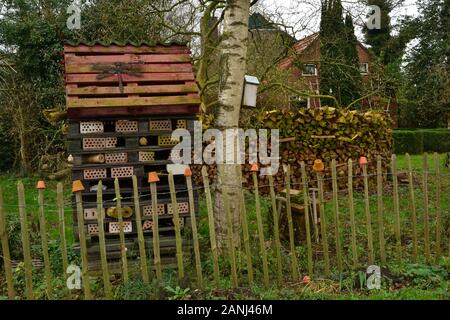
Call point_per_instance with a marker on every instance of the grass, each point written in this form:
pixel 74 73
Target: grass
pixel 417 162
pixel 403 279
pixel 9 186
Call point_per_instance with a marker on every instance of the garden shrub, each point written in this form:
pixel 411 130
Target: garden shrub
pixel 408 141
pixel 437 140
pixel 420 141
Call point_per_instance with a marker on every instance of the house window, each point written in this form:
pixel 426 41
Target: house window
pixel 297 102
pixel 364 68
pixel 309 70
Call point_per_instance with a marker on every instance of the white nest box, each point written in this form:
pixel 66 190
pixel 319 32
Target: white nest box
pixel 251 84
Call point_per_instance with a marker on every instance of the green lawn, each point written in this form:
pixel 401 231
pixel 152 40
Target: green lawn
pixel 9 186
pixel 414 281
pixel 417 162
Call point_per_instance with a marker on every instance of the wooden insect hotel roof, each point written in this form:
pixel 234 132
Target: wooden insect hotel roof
pixel 129 80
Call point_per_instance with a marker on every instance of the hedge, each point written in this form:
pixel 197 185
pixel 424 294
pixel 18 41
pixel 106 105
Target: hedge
pixel 436 140
pixel 406 141
pixel 420 141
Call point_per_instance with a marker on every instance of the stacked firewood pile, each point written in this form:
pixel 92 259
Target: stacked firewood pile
pixel 325 133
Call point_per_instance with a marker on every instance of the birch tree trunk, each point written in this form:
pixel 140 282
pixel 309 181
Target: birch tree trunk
pixel 233 57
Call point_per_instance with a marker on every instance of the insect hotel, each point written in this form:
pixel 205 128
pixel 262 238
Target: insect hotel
pixel 123 103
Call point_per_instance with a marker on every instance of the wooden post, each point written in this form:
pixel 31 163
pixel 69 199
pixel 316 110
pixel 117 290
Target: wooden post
pixel 398 246
pixel 380 210
pixel 323 224
pixel 413 207
pixel 294 262
pixel 245 232
pixel 262 244
pixel 336 215
pixel 425 207
pixel 153 179
pixel 140 232
pixel 230 238
pixel 307 222
pixel 62 226
pixel 198 264
pixel 276 231
pixel 5 250
pixel 438 206
pixel 315 216
pixel 368 215
pixel 102 244
pixel 123 248
pixel 25 242
pixel 77 188
pixel 176 222
pixel 351 207
pixel 212 230
pixel 44 240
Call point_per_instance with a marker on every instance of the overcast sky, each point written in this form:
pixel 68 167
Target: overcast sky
pixel 304 15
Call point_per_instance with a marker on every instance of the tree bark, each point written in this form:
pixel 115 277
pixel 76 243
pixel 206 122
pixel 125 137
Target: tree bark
pixel 233 57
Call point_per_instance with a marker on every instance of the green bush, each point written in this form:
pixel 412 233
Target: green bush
pixel 408 141
pixel 419 141
pixel 436 140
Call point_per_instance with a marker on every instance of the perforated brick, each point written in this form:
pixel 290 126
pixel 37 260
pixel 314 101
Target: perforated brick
pixel 126 126
pixel 91 174
pixel 114 158
pixel 175 155
pixel 181 124
pixel 147 210
pixel 146 156
pixel 164 141
pixel 158 125
pixel 147 225
pixel 115 228
pixel 183 207
pixel 122 172
pixel 93 143
pixel 111 142
pixel 91 127
pixel 92 228
pixel 91 214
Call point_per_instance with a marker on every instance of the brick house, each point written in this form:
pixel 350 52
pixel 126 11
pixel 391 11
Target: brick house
pixel 307 51
pixel 303 62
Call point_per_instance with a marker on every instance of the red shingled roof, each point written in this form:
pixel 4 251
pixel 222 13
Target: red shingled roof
pixel 304 43
pixel 300 46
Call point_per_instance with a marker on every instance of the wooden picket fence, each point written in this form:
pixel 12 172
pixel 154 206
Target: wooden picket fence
pixel 321 259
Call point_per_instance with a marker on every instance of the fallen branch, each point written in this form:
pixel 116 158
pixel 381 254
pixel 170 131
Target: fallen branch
pixel 287 139
pixel 60 174
pixel 301 93
pixel 323 137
